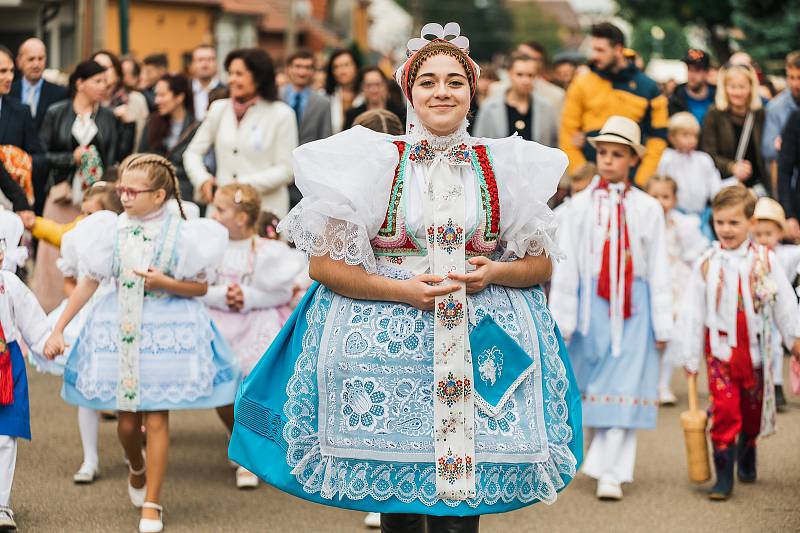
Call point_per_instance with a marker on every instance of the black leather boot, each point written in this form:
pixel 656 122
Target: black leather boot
pixel 453 524
pixel 723 464
pixel 402 523
pixel 780 399
pixel 746 462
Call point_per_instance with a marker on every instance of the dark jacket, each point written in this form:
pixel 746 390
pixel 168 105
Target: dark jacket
pixel 175 155
pixel 789 165
pixel 17 129
pixel 678 103
pixel 719 140
pixel 51 94
pixel 114 140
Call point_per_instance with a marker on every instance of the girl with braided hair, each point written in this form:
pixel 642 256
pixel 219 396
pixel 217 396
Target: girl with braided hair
pixel 149 346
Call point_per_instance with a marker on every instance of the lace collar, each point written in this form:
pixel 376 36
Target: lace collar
pixel 427 147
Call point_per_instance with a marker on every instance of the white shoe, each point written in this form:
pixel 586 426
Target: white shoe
pixel 245 479
pixel 373 520
pixel 7 519
pixel 666 398
pixel 137 495
pixel 233 464
pixel 608 490
pixel 86 474
pixel 152 525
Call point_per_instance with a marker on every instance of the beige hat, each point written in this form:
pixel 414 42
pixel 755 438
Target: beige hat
pixel 620 130
pixel 769 209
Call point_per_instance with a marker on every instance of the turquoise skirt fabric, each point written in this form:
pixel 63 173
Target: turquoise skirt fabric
pixel 338 410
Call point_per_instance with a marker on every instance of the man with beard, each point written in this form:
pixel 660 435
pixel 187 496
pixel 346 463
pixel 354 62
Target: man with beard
pixel 614 86
pixel 696 95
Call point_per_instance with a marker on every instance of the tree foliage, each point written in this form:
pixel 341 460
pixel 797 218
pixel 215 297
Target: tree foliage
pixel 770 28
pixel 673 46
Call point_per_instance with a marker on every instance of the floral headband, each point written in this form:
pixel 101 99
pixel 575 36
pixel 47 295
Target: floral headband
pixel 420 48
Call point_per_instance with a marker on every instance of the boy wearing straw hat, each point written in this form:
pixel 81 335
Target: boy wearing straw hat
pixel 612 300
pixel 733 298
pixel 768 230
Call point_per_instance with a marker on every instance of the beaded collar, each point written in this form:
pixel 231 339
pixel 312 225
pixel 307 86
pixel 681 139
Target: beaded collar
pixel 425 147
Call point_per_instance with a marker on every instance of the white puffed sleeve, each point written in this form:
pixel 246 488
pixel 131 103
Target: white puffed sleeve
pixel 68 262
pixel 693 242
pixel 11 229
pixel 276 268
pixel 527 176
pixel 200 249
pixel 28 317
pixel 345 181
pixel 93 241
pixel 690 325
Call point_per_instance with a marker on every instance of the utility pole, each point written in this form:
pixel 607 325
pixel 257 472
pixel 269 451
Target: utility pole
pixel 290 37
pixel 124 25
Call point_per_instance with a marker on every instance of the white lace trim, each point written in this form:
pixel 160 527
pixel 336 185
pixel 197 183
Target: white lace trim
pixel 318 234
pixel 440 143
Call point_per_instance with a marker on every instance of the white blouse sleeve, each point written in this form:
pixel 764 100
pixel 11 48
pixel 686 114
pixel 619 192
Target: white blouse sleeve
pixel 785 310
pixel 200 248
pixel 68 262
pixel 12 229
pixel 92 242
pixel 690 324
pixel 345 181
pixel 28 316
pixel 527 176
pixel 276 267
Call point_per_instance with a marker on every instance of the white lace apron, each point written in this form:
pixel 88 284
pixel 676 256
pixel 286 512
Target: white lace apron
pixel 138 248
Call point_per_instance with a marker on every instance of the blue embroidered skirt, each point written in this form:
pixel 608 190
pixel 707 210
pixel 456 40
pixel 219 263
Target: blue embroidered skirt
pixel 184 363
pixel 339 411
pixel 618 392
pixel 15 419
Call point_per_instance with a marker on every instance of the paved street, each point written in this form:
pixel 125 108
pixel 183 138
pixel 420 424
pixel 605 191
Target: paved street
pixel 200 494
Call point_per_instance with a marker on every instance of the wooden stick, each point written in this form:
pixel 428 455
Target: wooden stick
pixel 692 379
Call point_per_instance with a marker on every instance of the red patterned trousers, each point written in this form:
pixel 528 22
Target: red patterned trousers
pixel 734 407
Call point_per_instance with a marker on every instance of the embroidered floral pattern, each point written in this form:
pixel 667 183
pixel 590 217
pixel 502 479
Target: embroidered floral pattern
pixel 450 236
pixel 450 390
pixel 490 364
pixel 422 152
pixel 450 467
pixel 450 313
pixel 400 330
pixel 363 403
pixel 503 424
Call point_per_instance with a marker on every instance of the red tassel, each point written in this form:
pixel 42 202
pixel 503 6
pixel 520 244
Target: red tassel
pixel 6 372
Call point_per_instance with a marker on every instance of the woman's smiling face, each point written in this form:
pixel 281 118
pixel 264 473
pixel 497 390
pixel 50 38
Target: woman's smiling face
pixel 441 94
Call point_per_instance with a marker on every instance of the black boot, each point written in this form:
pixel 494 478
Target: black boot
pixel 780 399
pixel 723 464
pixel 453 524
pixel 402 523
pixel 746 460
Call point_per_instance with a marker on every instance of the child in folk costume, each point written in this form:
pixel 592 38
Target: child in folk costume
pixel 254 283
pixel 735 293
pixel 770 221
pixel 21 317
pixel 685 243
pixel 612 298
pixel 149 346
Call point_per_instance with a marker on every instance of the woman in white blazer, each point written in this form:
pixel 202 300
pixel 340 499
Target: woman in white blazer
pixel 253 134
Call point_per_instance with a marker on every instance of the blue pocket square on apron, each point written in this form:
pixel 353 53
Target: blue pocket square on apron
pixel 499 365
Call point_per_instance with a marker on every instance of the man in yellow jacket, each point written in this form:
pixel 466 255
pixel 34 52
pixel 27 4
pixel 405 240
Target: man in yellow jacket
pixel 614 86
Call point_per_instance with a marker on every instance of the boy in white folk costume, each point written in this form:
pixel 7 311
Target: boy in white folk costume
pixel 612 298
pixel 768 228
pixel 735 295
pixel 21 316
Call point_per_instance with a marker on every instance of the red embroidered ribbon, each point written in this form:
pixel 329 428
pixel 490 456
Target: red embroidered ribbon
pixel 623 251
pixel 6 372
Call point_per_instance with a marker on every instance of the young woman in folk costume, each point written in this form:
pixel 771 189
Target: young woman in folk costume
pixel 149 346
pixel 423 376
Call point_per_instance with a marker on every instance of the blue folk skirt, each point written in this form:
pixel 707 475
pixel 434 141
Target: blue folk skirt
pixel 15 419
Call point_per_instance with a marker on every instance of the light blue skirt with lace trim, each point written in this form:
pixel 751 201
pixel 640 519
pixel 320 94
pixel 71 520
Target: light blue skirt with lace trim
pixel 184 363
pixel 339 411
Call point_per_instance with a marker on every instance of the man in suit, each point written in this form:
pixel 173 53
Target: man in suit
pixel 204 77
pixel 312 109
pixel 520 109
pixel 16 129
pixel 31 88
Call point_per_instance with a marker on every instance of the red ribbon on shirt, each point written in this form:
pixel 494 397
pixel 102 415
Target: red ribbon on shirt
pixel 623 253
pixel 6 371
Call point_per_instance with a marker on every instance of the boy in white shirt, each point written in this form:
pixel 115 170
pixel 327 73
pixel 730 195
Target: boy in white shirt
pixel 694 172
pixel 770 221
pixel 612 300
pixel 731 301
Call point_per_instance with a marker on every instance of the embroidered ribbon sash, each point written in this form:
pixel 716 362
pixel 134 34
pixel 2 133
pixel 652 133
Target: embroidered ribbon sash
pixel 137 249
pixel 454 407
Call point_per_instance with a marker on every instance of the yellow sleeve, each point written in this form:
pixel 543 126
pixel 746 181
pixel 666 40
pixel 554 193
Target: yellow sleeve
pixel 50 231
pixel 571 123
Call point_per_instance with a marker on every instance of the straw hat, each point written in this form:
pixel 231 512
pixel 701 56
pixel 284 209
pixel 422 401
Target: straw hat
pixel 620 130
pixel 769 209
